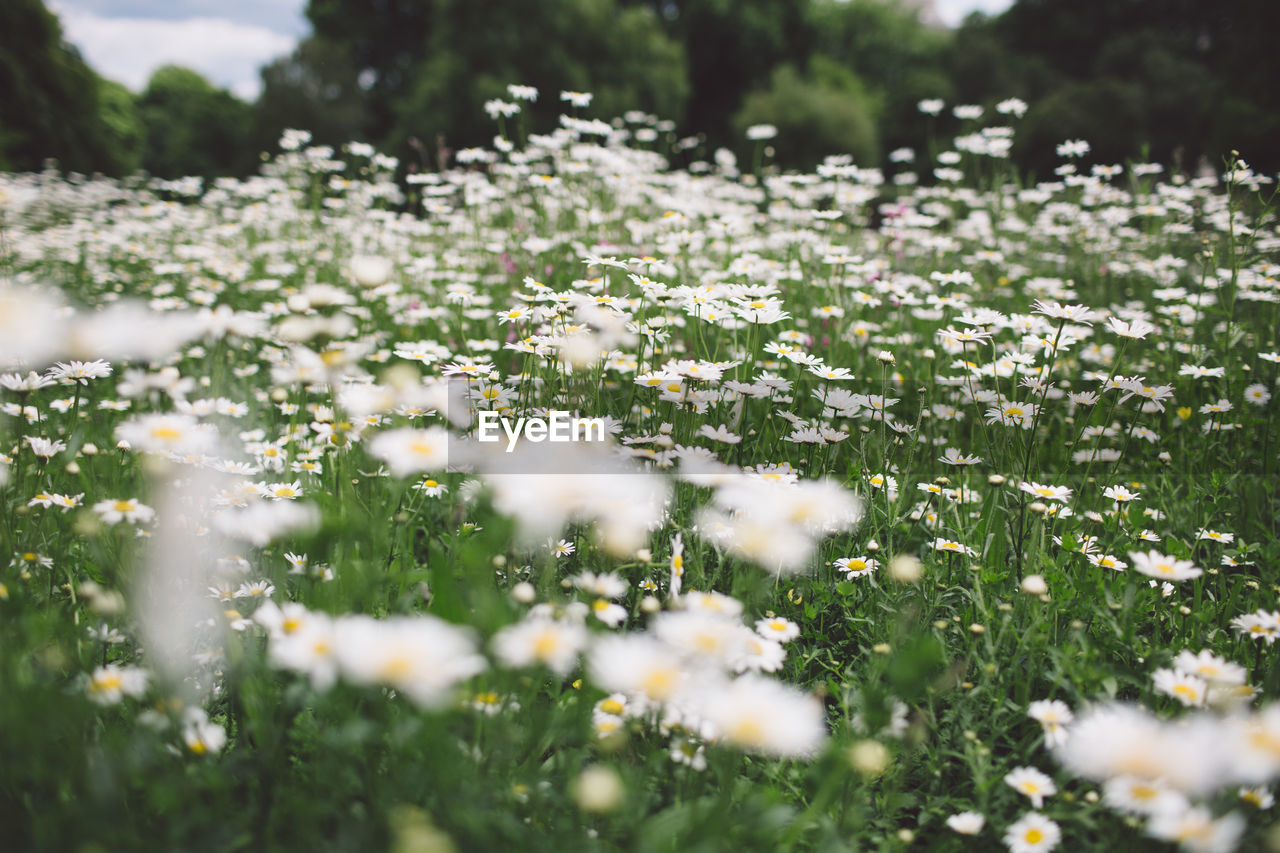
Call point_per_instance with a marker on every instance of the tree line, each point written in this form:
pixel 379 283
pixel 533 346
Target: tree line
pixel 1172 81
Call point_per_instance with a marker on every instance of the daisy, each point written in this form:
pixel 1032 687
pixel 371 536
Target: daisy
pixel 1187 689
pixel 258 589
pixel 1258 797
pixel 1119 494
pixel 1257 394
pixel 1048 493
pixel 432 488
pixel 1033 833
pixel 283 491
pixel 778 628
pixel 1136 795
pixel 637 664
pixel 79 371
pixel 1154 394
pixel 677 565
pixel 43 447
pixel 421 657
pixel 538 640
pixel 609 613
pixel 201 736
pixel 761 715
pixel 1260 625
pixel 1032 784
pixel 1070 313
pixel 1211 668
pixel 1157 565
pixel 1013 414
pixel 720 433
pixel 951 456
pixel 20 384
pixel 1136 329
pixel 953 547
pixel 689 753
pixel 115 511
pixel 605 585
pixel 966 823
pixel 855 567
pixel 179 434
pixel 1054 716
pixel 1197 831
pixel 411 451
pixel 109 684
pixel 1107 561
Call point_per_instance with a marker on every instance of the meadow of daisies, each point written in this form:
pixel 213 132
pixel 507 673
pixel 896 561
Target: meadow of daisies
pixel 935 507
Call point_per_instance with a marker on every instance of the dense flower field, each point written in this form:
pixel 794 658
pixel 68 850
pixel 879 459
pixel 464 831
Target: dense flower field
pixel 930 513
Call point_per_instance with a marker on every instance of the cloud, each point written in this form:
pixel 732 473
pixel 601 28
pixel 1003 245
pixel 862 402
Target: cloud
pixel 281 16
pixel 953 12
pixel 227 52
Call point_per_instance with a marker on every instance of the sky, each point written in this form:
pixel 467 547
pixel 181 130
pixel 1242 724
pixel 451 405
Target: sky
pixel 228 40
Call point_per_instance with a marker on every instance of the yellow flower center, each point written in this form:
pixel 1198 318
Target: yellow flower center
pixel 747 732
pixel 109 681
pixel 395 668
pixel 545 646
pixel 659 683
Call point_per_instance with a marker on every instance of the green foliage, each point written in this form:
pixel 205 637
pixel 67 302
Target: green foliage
pixel 819 114
pixel 1176 79
pixel 429 64
pixel 314 88
pixel 52 105
pixel 897 59
pixel 1166 76
pixel 733 48
pixel 192 127
pixel 121 125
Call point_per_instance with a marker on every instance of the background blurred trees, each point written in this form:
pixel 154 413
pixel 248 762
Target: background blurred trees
pixel 429 65
pixel 192 128
pixel 315 88
pixel 1170 80
pixel 52 105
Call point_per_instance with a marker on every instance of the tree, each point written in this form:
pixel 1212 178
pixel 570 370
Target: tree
pixel 1179 79
pixel 193 128
pixel 121 126
pixel 824 112
pixel 315 88
pixel 733 48
pixel 51 103
pixel 897 59
pixel 431 64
